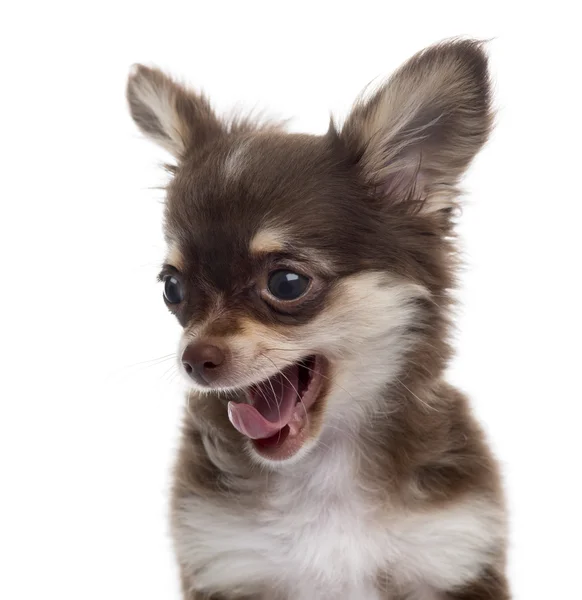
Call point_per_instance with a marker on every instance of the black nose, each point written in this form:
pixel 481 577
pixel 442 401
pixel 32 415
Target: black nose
pixel 203 362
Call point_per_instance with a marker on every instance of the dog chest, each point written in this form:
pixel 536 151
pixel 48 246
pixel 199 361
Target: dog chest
pixel 318 538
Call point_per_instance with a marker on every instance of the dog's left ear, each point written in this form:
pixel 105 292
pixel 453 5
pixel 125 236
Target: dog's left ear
pixel 174 117
pixel 415 137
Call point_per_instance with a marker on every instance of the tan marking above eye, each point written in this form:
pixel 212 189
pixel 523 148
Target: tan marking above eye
pixel 268 240
pixel 174 257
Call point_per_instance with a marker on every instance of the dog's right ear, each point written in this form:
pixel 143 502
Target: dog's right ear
pixel 168 113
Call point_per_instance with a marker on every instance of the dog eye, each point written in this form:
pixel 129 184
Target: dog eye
pixel 173 290
pixel 286 285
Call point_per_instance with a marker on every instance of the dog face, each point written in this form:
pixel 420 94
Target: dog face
pixel 304 269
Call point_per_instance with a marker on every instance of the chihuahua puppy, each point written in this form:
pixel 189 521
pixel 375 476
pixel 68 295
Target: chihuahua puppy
pixel 323 454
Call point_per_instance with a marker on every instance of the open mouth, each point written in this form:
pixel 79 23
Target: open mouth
pixel 277 416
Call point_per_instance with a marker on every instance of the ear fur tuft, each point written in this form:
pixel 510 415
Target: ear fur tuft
pixel 169 114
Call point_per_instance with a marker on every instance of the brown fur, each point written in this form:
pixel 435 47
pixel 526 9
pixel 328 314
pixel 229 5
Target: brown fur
pixel 376 195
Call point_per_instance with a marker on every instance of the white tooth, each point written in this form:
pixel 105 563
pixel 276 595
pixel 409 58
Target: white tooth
pixel 293 428
pixel 231 414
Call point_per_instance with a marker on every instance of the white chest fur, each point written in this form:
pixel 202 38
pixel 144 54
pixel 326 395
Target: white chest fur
pixel 317 538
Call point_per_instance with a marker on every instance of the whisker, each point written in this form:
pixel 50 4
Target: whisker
pixel 294 349
pixel 425 404
pixel 167 371
pixel 152 361
pixel 278 406
pixel 294 388
pixel 325 377
pixel 262 393
pixel 173 377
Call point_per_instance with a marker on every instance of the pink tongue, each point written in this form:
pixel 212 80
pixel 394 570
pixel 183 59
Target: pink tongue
pixel 273 403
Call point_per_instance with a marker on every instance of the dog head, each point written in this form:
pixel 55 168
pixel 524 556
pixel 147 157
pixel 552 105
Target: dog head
pixel 306 270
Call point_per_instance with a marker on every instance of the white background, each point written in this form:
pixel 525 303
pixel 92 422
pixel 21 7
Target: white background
pixel 87 434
